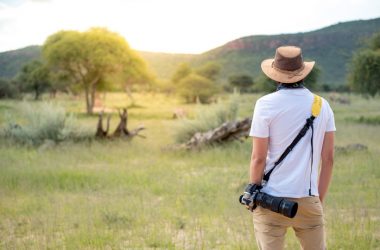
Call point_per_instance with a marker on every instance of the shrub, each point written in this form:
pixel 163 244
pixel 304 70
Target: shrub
pixel 41 123
pixel 8 89
pixel 207 119
pixel 371 120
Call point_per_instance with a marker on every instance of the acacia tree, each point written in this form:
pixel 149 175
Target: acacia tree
pixel 196 84
pixel 90 58
pixel 364 76
pixel 194 87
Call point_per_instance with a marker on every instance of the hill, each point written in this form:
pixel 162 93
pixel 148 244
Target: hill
pixel 12 61
pixel 331 47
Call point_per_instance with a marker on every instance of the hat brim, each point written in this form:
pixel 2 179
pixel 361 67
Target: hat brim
pixel 285 76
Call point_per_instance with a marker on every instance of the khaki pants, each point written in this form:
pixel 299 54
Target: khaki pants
pixel 270 227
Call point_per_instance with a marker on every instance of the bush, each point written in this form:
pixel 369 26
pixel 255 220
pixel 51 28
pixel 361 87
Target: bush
pixel 364 76
pixel 365 72
pixel 371 120
pixel 8 89
pixel 207 119
pixel 41 123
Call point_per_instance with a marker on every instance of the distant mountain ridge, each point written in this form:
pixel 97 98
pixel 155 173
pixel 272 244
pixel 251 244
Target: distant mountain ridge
pixel 331 47
pixel 12 61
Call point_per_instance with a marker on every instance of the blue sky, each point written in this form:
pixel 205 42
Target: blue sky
pixel 174 25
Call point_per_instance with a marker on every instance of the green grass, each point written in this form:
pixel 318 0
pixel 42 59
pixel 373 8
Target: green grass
pixel 139 195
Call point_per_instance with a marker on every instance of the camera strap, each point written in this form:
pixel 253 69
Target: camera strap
pixel 315 110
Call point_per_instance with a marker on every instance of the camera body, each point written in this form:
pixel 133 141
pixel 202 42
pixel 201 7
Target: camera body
pixel 253 197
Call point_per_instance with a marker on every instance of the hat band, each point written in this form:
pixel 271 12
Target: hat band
pixel 290 73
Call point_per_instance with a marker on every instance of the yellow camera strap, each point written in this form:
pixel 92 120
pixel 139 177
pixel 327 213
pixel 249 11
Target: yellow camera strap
pixel 315 110
pixel 317 106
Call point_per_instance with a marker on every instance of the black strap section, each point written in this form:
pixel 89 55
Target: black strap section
pixel 308 124
pixel 312 155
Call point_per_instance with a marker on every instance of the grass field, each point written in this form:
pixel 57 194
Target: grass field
pixel 139 195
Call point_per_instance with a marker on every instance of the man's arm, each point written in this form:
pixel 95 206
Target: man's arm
pixel 258 159
pixel 327 164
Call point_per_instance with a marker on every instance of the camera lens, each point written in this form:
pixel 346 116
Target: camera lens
pixel 241 199
pixel 277 204
pixel 288 208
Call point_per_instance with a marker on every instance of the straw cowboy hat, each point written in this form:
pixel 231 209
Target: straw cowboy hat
pixel 287 65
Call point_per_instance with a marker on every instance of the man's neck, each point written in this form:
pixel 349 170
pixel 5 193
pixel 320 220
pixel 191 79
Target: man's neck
pixel 296 85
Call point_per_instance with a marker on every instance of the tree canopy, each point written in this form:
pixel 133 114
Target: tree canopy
pixel 35 76
pixel 364 76
pixel 182 71
pixel 195 86
pixel 242 82
pixel 210 70
pixel 92 59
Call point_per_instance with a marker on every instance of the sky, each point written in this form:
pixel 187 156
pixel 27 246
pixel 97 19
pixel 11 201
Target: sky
pixel 174 26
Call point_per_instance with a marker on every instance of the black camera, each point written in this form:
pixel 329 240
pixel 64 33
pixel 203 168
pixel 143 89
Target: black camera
pixel 252 198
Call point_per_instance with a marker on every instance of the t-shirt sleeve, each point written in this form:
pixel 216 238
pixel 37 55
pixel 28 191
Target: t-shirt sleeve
pixel 260 120
pixel 331 120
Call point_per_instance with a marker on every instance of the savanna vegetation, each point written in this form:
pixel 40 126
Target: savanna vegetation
pixel 63 188
pixel 139 194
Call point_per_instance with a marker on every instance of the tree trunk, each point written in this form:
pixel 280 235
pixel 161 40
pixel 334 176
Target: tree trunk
pixel 88 101
pixel 129 93
pixel 92 97
pixel 90 90
pixel 37 94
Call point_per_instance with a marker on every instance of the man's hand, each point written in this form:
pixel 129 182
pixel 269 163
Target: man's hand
pixel 248 196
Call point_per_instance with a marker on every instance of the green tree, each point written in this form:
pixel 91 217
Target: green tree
pixel 364 76
pixel 241 82
pixel 210 70
pixel 182 71
pixel 91 58
pixel 374 42
pixel 311 81
pixel 264 84
pixel 35 77
pixel 8 88
pixel 195 87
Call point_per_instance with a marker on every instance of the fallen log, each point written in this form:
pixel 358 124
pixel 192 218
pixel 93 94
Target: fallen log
pixel 228 131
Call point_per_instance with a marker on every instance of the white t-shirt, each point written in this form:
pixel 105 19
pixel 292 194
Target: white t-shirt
pixel 280 116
